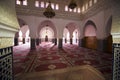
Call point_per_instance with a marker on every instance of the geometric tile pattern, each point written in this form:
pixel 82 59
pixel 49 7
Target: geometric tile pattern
pixel 6 64
pixel 116 66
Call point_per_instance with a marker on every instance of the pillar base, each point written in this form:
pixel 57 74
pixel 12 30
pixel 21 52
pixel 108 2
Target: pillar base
pixel 71 41
pixel 15 41
pixel 23 40
pixel 55 41
pixel 33 44
pixel 37 41
pixel 60 45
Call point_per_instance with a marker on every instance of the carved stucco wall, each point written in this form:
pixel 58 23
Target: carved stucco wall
pixel 8 22
pixel 116 21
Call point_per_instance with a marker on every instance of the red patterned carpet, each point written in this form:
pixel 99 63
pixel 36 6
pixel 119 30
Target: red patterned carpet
pixel 48 57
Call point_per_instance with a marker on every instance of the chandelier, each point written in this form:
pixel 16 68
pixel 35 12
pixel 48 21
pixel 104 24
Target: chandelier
pixel 21 0
pixel 49 12
pixel 72 4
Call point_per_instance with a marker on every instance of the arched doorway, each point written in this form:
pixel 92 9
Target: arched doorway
pixel 90 40
pixel 75 36
pixel 46 34
pixel 22 36
pixel 66 36
pixel 73 33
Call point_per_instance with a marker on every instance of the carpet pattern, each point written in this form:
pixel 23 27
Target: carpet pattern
pixel 49 57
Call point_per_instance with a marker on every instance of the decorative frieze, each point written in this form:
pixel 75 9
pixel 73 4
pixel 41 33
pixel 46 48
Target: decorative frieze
pixel 5 42
pixel 8 14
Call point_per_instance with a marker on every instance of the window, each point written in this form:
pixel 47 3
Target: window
pixel 18 2
pixel 66 8
pixel 95 1
pixel 70 10
pixel 83 9
pixel 75 10
pixel 86 6
pixel 46 4
pixel 78 10
pixel 36 3
pixel 25 2
pixel 52 5
pixel 57 7
pixel 42 5
pixel 90 3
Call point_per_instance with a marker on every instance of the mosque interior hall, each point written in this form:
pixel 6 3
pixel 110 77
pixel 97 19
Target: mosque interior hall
pixel 59 39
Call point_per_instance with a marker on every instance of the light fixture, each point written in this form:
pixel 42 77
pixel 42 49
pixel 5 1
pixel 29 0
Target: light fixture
pixel 72 4
pixel 49 12
pixel 21 0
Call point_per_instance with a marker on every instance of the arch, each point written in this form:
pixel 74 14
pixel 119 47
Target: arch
pixel 66 35
pixel 75 36
pixel 47 23
pixel 90 22
pixel 46 32
pixel 22 36
pixel 90 40
pixel 89 28
pixel 71 26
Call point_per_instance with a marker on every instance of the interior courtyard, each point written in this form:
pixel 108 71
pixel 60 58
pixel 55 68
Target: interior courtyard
pixel 81 43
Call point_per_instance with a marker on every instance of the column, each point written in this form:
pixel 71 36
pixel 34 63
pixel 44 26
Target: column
pixel 37 41
pixel 23 40
pixel 65 40
pixel 105 45
pixel 15 41
pixel 60 45
pixel 71 40
pixel 101 46
pixel 81 42
pixel 55 41
pixel 33 43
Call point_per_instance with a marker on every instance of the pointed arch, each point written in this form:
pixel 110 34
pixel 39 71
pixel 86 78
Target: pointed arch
pixel 47 23
pixel 90 40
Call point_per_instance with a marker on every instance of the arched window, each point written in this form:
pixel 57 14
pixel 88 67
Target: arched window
pixel 57 7
pixel 36 3
pixel 42 5
pixel 78 10
pixel 66 8
pixel 18 2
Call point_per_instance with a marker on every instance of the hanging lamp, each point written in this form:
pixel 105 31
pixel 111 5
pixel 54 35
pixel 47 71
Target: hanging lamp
pixel 72 4
pixel 49 12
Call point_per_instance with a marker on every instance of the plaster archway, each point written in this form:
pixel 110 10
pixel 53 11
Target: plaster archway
pixel 66 36
pixel 50 24
pixel 22 36
pixel 90 40
pixel 46 31
pixel 71 28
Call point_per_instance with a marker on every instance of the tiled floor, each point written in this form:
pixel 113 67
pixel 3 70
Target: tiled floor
pixel 48 57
